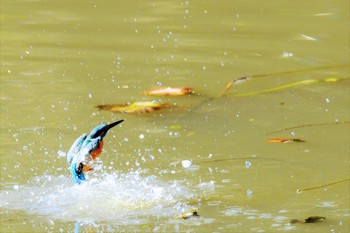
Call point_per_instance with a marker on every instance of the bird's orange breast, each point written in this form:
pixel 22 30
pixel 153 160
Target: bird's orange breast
pixel 97 151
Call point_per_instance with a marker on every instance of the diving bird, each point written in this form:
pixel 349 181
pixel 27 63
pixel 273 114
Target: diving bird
pixel 86 149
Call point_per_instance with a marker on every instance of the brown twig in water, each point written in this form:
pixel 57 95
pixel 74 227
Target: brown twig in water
pixel 230 84
pixel 307 125
pixel 323 185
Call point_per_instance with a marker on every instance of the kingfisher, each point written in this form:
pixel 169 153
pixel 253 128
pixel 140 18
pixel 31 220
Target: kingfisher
pixel 86 149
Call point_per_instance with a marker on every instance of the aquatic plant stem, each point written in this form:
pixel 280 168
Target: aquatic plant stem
pixel 323 185
pixel 230 84
pixel 299 71
pixel 308 125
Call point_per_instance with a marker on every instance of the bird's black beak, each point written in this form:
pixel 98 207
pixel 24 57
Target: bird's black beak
pixel 109 126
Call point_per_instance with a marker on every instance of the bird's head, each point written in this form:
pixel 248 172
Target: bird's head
pixel 101 130
pixel 77 172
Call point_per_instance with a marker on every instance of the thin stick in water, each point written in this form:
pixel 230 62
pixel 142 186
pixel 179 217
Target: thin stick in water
pixel 323 185
pixel 308 125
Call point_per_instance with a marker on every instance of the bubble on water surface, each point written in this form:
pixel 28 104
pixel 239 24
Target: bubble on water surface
pixel 326 204
pixel 186 163
pixel 249 193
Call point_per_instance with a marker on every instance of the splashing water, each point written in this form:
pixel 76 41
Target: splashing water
pixel 111 197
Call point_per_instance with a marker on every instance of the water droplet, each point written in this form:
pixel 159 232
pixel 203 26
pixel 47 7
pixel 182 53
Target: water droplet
pixel 287 54
pixel 61 154
pixel 186 163
pixel 249 193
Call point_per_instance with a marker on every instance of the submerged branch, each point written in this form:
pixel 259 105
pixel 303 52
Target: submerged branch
pixel 286 86
pixel 308 125
pixel 300 71
pixel 323 185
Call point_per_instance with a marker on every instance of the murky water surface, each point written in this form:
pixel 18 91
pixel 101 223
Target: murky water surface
pixel 59 59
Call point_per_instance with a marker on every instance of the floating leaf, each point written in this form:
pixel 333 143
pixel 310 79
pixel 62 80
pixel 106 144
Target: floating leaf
pixel 169 91
pixel 192 213
pixel 135 108
pixel 313 219
pixel 284 140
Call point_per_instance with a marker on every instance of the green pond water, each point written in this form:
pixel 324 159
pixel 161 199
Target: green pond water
pixel 59 59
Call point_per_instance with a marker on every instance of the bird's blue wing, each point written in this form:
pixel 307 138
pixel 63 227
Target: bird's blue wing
pixel 95 133
pixel 85 151
pixel 75 148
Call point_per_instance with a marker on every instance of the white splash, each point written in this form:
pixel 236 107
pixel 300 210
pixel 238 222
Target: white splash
pixel 112 197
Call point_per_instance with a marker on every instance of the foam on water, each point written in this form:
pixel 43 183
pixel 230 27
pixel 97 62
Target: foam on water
pixel 113 197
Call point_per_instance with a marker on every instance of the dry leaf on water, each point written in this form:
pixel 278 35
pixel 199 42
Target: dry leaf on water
pixel 313 219
pixel 134 108
pixel 170 91
pixel 284 140
pixel 192 213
